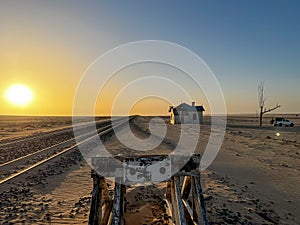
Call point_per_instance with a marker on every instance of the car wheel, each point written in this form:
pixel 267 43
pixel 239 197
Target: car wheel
pixel 292 125
pixel 280 124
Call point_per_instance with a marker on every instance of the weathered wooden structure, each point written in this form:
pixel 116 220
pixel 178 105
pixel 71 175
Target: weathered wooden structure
pixel 186 114
pixel 184 196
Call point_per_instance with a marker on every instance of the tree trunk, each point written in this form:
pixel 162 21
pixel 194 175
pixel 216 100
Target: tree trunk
pixel 260 116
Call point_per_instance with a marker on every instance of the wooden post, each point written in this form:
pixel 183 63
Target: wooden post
pixel 118 208
pixel 179 187
pixel 107 212
pixel 186 187
pixel 173 202
pixel 168 199
pixel 177 203
pixel 199 200
pixel 96 211
pixel 168 190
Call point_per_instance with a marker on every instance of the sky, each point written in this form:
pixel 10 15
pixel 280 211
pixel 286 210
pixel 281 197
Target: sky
pixel 49 45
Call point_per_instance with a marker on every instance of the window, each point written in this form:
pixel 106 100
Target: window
pixel 194 116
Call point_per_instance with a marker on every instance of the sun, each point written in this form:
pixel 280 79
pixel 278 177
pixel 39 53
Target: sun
pixel 19 94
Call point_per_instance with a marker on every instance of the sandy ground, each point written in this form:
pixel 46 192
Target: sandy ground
pixel 14 127
pixel 254 180
pixel 255 177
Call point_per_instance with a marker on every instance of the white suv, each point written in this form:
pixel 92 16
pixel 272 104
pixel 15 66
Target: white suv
pixel 283 122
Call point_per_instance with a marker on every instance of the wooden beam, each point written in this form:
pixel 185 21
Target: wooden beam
pixel 179 187
pixel 96 210
pixel 105 193
pixel 179 208
pixel 186 187
pixel 173 202
pixel 118 207
pixel 199 200
pixel 169 208
pixel 188 212
pixel 107 212
pixel 93 206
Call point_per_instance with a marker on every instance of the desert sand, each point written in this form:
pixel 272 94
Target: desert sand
pixel 17 127
pixel 254 180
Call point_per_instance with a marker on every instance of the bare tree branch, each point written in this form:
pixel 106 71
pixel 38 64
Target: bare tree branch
pixel 271 109
pixel 261 94
pixel 262 101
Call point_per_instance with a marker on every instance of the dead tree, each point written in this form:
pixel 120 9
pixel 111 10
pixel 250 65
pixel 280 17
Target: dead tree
pixel 261 102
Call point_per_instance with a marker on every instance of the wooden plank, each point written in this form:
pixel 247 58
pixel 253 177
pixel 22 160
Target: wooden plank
pixel 179 210
pixel 169 208
pixel 186 187
pixel 173 202
pixel 107 212
pixel 173 164
pixel 98 214
pixel 118 204
pixel 197 214
pixel 93 203
pixel 188 213
pixel 105 193
pixel 199 200
pixel 123 189
pixel 96 211
pixel 195 218
pixel 177 192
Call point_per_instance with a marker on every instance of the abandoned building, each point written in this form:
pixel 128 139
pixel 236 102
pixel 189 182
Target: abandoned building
pixel 185 113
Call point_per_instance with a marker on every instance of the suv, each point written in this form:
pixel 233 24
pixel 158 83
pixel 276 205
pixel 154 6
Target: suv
pixel 279 121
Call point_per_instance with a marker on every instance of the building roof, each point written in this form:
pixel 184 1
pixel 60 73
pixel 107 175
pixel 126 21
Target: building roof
pixel 200 108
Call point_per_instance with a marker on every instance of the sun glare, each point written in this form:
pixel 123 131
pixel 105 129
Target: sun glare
pixel 19 94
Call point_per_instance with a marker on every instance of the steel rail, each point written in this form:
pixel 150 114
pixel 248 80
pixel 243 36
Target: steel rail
pixel 50 147
pixel 107 130
pixel 52 132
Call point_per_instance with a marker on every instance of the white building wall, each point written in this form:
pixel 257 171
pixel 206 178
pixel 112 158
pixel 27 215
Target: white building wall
pixel 188 117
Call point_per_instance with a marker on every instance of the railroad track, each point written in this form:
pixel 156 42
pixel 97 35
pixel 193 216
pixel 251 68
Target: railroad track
pixel 34 143
pixel 51 132
pixel 16 167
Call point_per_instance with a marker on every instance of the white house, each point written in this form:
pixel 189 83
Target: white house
pixel 185 113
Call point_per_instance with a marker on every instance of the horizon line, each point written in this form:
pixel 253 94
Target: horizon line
pixel 163 115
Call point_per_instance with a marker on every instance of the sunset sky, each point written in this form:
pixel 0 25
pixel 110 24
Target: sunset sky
pixel 48 45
